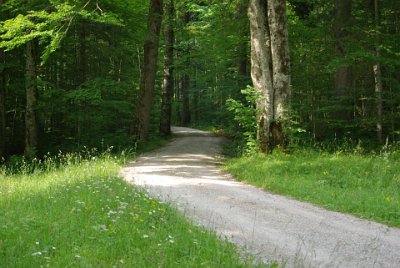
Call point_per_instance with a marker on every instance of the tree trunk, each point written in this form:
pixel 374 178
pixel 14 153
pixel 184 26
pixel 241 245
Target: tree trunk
pixel 31 136
pixel 2 106
pixel 280 68
pixel 378 78
pixel 81 53
pixel 260 70
pixel 242 57
pixel 149 70
pixel 185 100
pixel 342 79
pixel 81 77
pixel 270 70
pixel 168 82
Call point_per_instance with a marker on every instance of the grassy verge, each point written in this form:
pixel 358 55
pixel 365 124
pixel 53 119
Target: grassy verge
pixel 366 186
pixel 81 214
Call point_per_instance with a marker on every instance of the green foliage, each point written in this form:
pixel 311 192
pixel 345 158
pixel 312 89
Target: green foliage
pixel 245 116
pixel 364 185
pixel 49 27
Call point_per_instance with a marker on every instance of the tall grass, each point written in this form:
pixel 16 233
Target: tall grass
pixel 366 185
pixel 74 211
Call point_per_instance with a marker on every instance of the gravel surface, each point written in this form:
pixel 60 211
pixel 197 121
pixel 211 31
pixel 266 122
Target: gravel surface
pixel 274 228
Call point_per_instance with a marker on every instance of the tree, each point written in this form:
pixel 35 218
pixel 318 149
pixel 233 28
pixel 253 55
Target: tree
pixel 342 78
pixel 270 70
pixel 31 131
pixel 149 70
pixel 2 103
pixel 168 80
pixel 378 77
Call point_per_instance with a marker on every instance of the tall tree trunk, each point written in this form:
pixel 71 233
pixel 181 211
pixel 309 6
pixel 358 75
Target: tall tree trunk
pixel 378 78
pixel 270 70
pixel 81 53
pixel 186 116
pixel 2 106
pixel 168 81
pixel 185 99
pixel 280 68
pixel 342 79
pixel 82 70
pixel 242 57
pixel 2 103
pixel 260 70
pixel 149 70
pixel 31 133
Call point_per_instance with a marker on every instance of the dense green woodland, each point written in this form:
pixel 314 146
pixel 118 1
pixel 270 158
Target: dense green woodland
pixel 72 72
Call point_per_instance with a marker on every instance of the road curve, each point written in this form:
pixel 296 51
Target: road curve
pixel 274 228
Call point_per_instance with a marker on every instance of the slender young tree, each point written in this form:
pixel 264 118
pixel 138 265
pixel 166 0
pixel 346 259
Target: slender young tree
pixel 149 69
pixel 242 46
pixel 270 70
pixel 2 106
pixel 377 70
pixel 185 82
pixel 342 78
pixel 168 80
pixel 2 103
pixel 31 132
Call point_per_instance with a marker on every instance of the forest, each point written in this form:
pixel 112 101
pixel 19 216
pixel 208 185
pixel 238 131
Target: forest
pixel 71 73
pixel 306 94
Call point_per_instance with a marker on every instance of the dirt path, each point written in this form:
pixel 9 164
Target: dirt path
pixel 272 227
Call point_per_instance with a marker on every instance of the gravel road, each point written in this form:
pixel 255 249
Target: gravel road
pixel 274 228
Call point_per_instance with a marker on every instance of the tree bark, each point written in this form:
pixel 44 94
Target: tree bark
pixel 260 70
pixel 31 133
pixel 280 68
pixel 149 70
pixel 186 117
pixel 2 106
pixel 81 76
pixel 378 78
pixel 242 48
pixel 168 81
pixel 270 70
pixel 81 53
pixel 342 78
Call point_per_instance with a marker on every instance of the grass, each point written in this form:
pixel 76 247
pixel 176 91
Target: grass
pixel 81 214
pixel 364 185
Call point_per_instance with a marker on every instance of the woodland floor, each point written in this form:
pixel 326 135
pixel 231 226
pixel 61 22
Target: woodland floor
pixel 274 228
